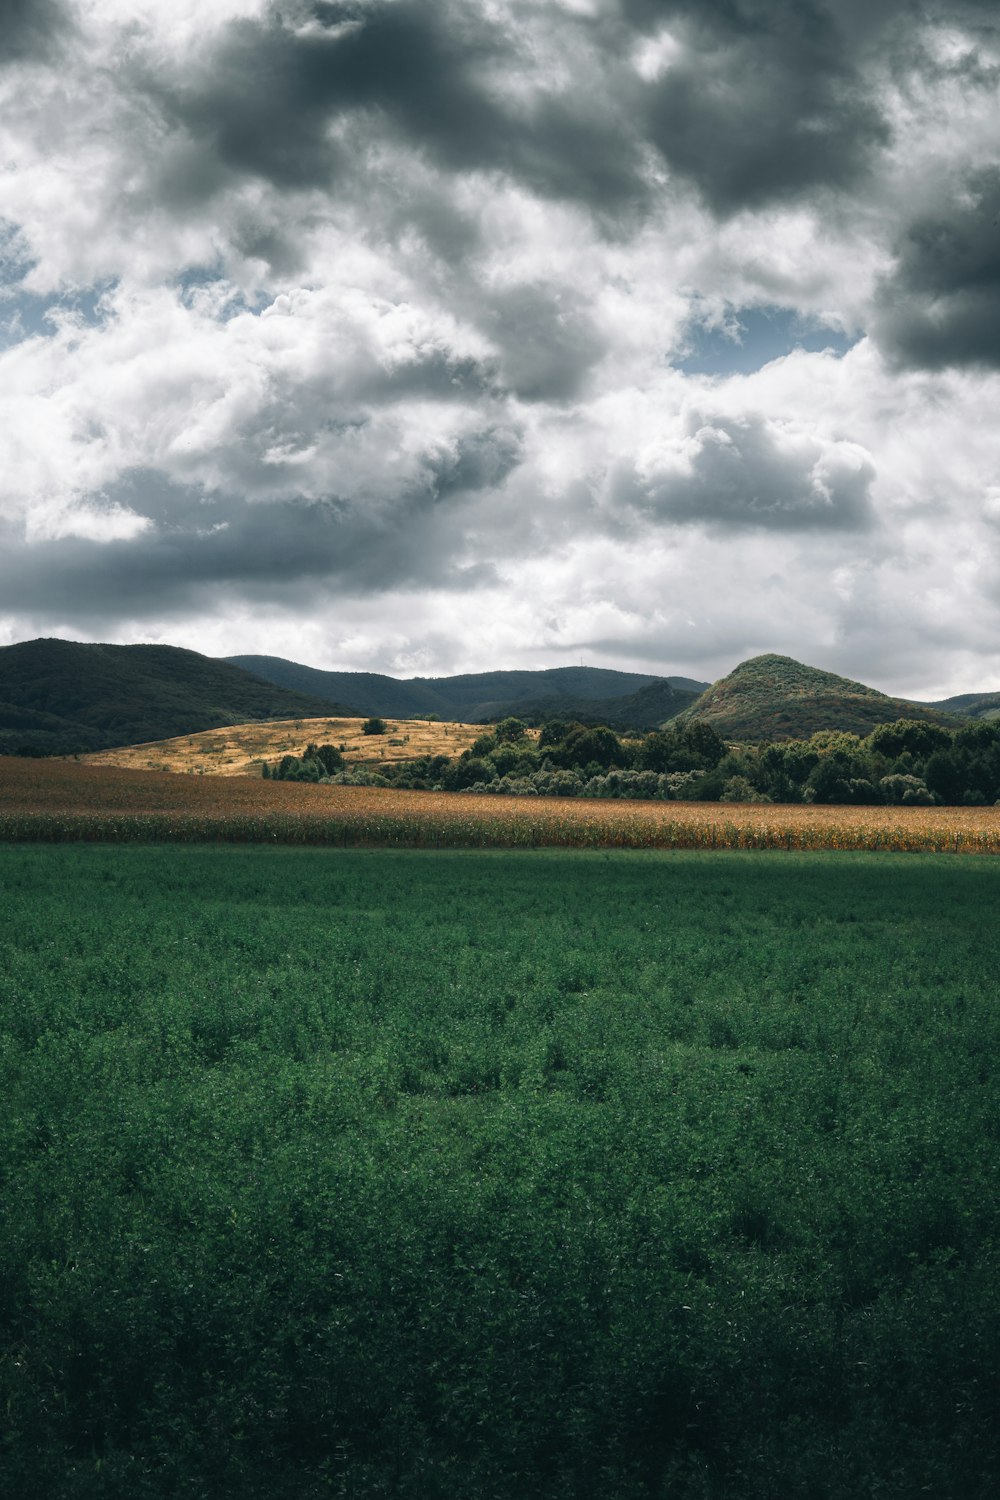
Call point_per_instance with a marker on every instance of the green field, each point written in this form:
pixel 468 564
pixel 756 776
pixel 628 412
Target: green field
pixel 498 1174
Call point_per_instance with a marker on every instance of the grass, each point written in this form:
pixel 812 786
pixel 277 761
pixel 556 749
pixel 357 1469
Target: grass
pixel 416 1174
pixel 60 801
pixel 240 751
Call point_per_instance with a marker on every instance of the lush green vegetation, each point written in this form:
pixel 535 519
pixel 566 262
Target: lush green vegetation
pixel 774 698
pixel 908 763
pixel 60 697
pixel 542 1174
pixel 316 763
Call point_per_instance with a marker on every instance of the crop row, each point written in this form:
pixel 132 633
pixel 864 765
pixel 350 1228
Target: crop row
pixel 58 801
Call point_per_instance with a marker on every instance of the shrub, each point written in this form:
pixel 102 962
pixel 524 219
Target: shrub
pixel 738 789
pixel 906 791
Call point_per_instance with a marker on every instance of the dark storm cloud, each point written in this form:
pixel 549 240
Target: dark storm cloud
pixel 271 92
pixel 205 544
pixel 479 461
pixel 30 28
pixel 889 23
pixel 765 101
pixel 941 305
pixel 740 476
pixel 771 100
pixel 280 552
pixel 772 138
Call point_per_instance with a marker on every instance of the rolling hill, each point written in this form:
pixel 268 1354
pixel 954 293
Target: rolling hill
pixel 597 694
pixel 636 712
pixel 970 705
pixel 59 697
pixel 777 698
pixel 241 749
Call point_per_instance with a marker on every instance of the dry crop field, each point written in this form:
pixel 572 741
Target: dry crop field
pixel 57 800
pixel 240 749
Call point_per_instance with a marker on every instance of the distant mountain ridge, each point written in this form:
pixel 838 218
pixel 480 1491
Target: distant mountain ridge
pixel 637 712
pixel 58 697
pixel 777 698
pixel 970 705
pixel 555 692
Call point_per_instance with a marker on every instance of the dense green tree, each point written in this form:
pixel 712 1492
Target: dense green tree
pixel 657 751
pixel 510 730
pixel 830 780
pixel 330 758
pixel 553 733
pixel 913 735
pixel 943 775
pixel 514 760
pixel 704 741
pixel 599 746
pixel 694 747
pixel 465 772
pixel 982 736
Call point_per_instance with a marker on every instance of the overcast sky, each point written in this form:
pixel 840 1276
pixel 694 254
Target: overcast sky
pixel 425 336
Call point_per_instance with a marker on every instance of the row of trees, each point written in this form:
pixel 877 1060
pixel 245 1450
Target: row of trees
pixel 908 762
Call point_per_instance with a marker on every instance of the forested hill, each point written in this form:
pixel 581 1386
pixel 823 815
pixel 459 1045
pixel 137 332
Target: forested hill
pixel 564 692
pixel 777 698
pixel 649 708
pixel 57 697
pixel 970 705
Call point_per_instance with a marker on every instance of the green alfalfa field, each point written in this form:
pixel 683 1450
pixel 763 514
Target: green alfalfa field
pixel 561 1173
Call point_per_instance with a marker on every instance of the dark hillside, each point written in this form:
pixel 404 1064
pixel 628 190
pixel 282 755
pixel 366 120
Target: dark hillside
pixel 777 698
pixel 567 692
pixel 371 692
pixel 970 705
pixel 646 709
pixel 57 697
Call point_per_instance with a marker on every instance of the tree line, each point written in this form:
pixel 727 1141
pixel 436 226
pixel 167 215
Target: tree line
pixel 906 763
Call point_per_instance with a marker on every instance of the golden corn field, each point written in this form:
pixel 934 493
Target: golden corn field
pixel 58 800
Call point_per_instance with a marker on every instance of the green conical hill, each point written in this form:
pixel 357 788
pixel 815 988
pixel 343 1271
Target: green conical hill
pixel 777 698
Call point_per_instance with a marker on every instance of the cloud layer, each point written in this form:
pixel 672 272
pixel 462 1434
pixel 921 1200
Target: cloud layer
pixel 365 332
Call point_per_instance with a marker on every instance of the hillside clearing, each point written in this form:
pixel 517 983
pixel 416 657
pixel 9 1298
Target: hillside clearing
pixel 241 750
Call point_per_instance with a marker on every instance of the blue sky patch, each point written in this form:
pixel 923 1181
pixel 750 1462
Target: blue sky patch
pixel 25 315
pixel 754 337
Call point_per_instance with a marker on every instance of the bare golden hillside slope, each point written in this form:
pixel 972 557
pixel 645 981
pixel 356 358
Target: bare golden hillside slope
pixel 242 749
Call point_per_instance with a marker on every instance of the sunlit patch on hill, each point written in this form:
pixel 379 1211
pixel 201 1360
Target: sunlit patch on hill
pixel 242 749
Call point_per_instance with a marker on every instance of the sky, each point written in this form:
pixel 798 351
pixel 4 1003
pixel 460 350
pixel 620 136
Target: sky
pixel 428 336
